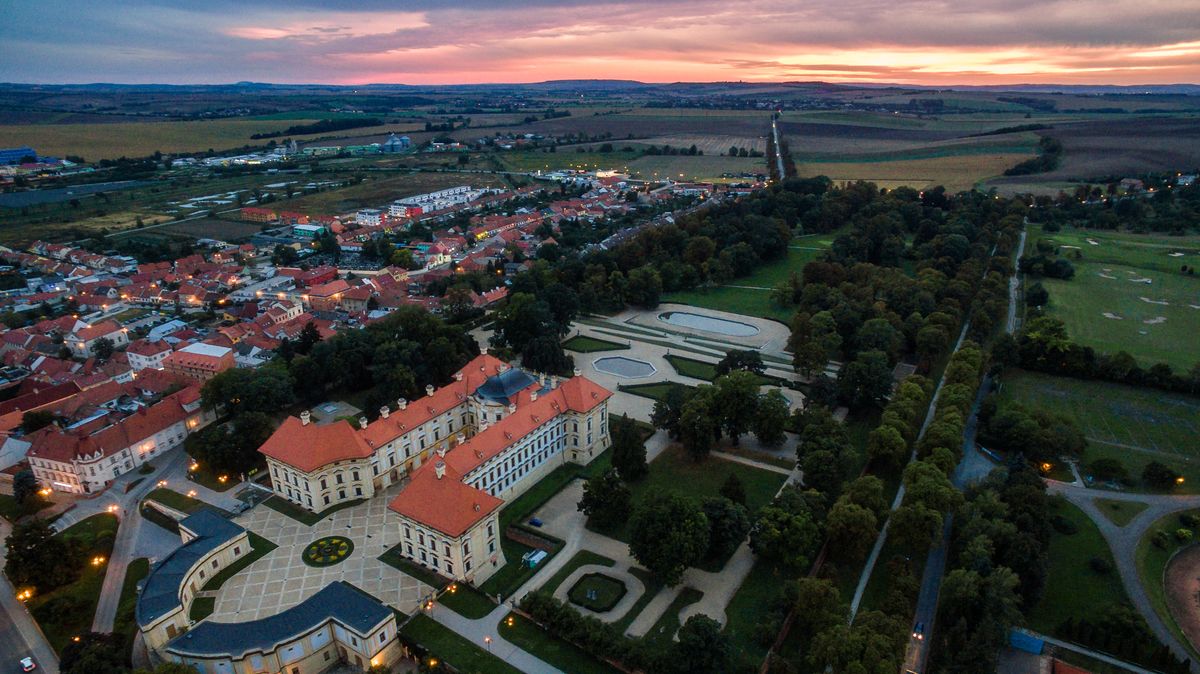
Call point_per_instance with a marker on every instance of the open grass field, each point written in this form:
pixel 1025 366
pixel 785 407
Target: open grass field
pixel 1157 320
pixel 69 610
pixel 1133 425
pixel 954 172
pixel 1152 563
pixel 1120 513
pixel 751 295
pixel 674 472
pixel 559 654
pixel 211 228
pixel 1073 588
pixel 447 646
pixel 706 167
pixel 377 192
pixel 566 158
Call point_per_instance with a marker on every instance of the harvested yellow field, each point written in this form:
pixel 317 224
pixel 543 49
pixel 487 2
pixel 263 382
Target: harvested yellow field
pixel 955 173
pixel 138 139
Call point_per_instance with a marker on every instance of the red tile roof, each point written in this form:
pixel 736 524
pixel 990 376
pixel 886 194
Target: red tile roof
pixel 447 504
pixel 308 447
pixel 98 330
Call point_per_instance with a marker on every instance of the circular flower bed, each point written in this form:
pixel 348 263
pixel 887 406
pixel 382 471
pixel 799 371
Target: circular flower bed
pixel 327 551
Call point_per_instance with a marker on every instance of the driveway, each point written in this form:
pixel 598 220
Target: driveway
pixel 281 579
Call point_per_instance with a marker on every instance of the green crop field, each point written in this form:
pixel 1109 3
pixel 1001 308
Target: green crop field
pixel 1156 321
pixel 1133 425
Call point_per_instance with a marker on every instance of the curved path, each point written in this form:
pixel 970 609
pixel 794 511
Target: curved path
pixel 1124 541
pixel 634 589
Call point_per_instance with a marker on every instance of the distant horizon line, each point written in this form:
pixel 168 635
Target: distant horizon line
pixel 847 84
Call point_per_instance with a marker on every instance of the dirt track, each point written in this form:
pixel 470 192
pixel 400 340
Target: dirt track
pixel 1183 591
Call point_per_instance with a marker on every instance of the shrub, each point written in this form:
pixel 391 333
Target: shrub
pixel 1183 535
pixel 1161 539
pixel 1189 520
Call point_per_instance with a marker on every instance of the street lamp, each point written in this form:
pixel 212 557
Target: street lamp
pixel 488 640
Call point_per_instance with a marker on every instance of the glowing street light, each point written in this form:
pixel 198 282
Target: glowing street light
pixel 488 640
pixel 162 483
pixel 97 560
pixel 192 493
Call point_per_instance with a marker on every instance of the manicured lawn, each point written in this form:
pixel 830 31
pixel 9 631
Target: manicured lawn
pixel 125 623
pixel 69 610
pixel 652 585
pixel 553 651
pixel 746 609
pixel 1120 512
pixel 597 592
pixel 698 369
pixel 662 632
pixel 1073 588
pixel 159 518
pixel 204 476
pixel 398 561
pixel 259 546
pixel 1132 425
pixel 447 646
pixel 675 472
pixel 657 391
pixel 1104 281
pixel 581 558
pixel 173 499
pixel 467 601
pixel 584 344
pixel 202 607
pixel 302 515
pixel 11 511
pixel 1152 563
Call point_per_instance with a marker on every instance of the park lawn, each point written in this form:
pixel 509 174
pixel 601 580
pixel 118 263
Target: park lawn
pixel 204 476
pixel 466 601
pixel 173 499
pixel 259 547
pixel 698 369
pixel 302 515
pixel 746 301
pixel 99 532
pixel 202 607
pixel 663 631
pixel 674 472
pixel 584 344
pixel 447 646
pixel 1082 301
pixel 754 598
pixel 1152 564
pixel 652 586
pixel 656 391
pixel 125 622
pixel 1073 589
pixel 11 511
pixel 394 558
pixel 581 558
pixel 1120 513
pixel 529 636
pixel 607 591
pixel 1133 425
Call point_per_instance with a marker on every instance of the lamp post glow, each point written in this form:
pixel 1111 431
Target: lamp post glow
pixel 488 640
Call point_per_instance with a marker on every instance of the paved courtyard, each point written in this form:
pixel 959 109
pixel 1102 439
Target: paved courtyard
pixel 281 579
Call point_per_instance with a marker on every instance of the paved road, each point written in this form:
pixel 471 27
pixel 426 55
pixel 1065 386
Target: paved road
pixel 19 634
pixel 882 538
pixel 1014 283
pixel 1124 541
pixel 778 154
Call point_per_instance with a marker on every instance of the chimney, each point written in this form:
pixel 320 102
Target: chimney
pixel 577 372
pixel 502 369
pixel 429 389
pixel 461 438
pixel 305 417
pixel 458 376
pixel 483 349
pixel 439 469
pixel 441 451
pixel 383 412
pixel 553 382
pixel 542 379
pixel 512 407
pixel 532 396
pixel 401 404
pixel 476 507
pixel 362 422
pixel 483 425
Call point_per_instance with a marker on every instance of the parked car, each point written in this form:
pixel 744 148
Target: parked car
pixel 27 664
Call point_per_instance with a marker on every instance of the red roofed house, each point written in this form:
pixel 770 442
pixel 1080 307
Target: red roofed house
pixel 144 354
pixel 87 458
pixel 82 342
pixel 199 362
pixel 465 448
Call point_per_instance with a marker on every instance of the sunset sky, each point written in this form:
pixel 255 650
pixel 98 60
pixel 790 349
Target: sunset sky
pixel 935 42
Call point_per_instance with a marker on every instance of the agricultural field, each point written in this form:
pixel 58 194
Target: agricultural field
pixel 698 167
pixel 207 228
pixel 954 172
pixel 564 158
pixel 1133 425
pixel 94 142
pixel 709 144
pixel 1128 294
pixel 751 295
pixel 376 192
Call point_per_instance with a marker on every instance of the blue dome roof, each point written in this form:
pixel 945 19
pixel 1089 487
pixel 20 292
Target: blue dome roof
pixel 503 386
